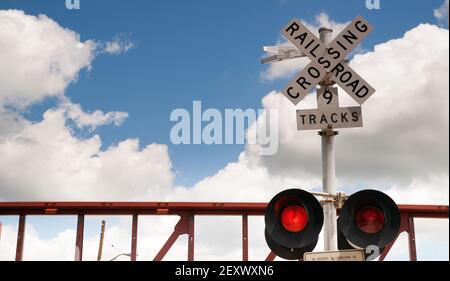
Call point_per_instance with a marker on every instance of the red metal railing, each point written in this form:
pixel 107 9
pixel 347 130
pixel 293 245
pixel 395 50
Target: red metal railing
pixel 187 212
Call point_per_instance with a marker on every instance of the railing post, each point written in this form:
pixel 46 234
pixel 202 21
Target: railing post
pixel 412 239
pixel 79 239
pixel 20 237
pixel 245 237
pixel 191 238
pixel 134 234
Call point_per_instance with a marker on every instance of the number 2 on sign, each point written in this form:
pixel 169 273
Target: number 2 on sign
pixel 373 251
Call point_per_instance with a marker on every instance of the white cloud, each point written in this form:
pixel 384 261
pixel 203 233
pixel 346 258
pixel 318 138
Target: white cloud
pixel 241 181
pixel 39 58
pixel 441 13
pixel 117 46
pixel 92 120
pixel 76 168
pixel 43 58
pixel 323 20
pixel 425 190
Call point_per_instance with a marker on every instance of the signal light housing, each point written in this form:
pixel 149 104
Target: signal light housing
pixel 293 220
pixel 368 217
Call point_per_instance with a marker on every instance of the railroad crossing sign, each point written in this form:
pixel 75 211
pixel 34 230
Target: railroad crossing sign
pixel 328 66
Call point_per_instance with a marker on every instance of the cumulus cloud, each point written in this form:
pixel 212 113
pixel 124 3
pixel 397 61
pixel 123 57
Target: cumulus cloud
pixel 42 58
pixel 76 168
pixel 39 58
pixel 92 120
pixel 441 13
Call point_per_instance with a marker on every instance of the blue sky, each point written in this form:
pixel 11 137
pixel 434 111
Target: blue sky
pixel 185 51
pixel 194 50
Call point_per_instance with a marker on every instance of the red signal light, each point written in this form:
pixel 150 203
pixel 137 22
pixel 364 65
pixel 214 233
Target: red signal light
pixel 370 219
pixel 294 218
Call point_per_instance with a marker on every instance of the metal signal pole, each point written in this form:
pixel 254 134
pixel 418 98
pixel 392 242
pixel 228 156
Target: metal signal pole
pixel 328 168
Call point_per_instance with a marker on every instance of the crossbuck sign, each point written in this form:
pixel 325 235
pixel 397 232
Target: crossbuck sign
pixel 328 64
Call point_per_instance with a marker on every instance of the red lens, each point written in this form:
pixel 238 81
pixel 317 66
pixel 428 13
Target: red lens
pixel 294 218
pixel 370 219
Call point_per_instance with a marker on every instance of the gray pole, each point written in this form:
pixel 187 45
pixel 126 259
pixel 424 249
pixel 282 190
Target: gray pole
pixel 328 169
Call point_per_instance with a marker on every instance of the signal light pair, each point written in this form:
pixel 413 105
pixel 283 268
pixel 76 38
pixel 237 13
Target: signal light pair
pixel 294 219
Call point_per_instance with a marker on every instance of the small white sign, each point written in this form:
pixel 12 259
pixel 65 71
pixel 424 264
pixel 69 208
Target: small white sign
pixel 322 119
pixel 327 98
pixel 346 255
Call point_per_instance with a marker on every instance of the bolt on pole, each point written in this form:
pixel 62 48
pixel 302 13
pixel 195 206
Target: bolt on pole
pixel 328 170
